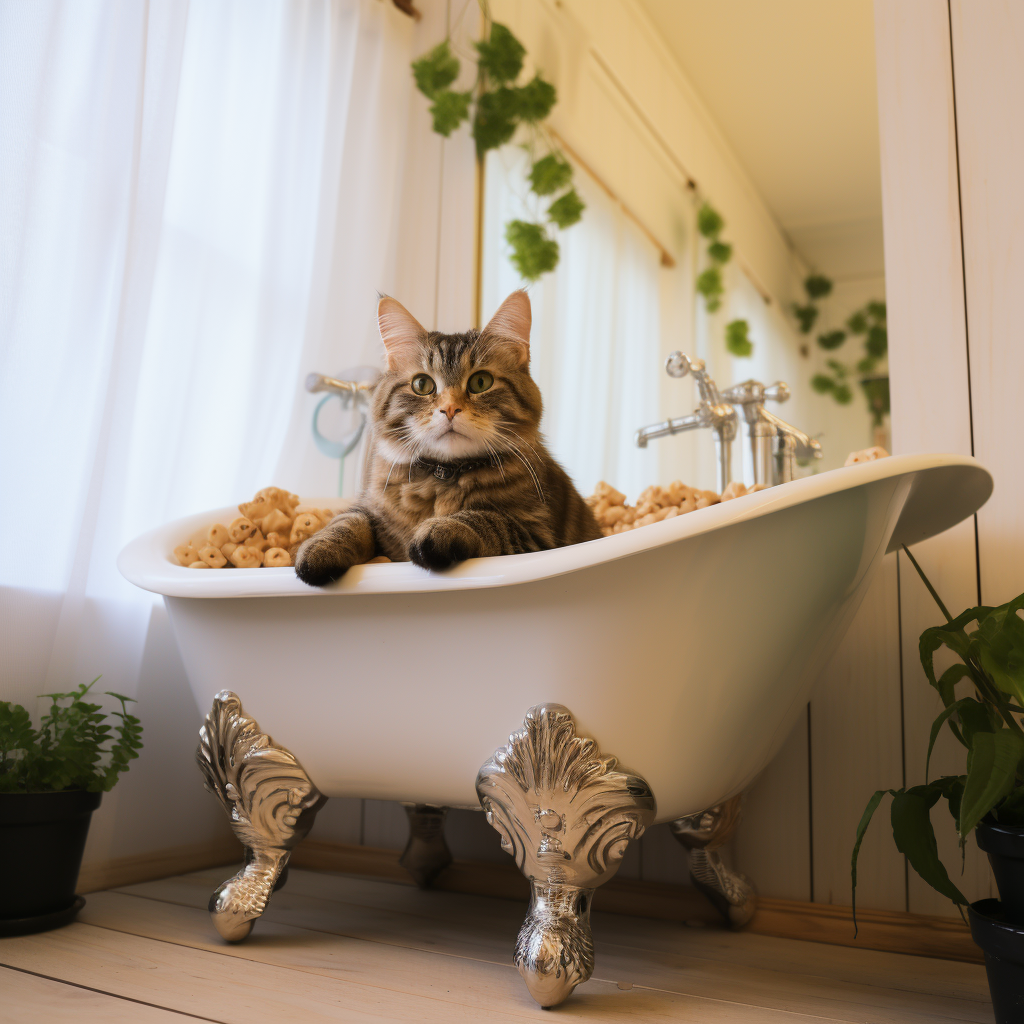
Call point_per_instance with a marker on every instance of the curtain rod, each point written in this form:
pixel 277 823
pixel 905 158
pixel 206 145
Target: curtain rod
pixel 667 259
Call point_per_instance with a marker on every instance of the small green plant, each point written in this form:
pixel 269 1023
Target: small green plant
pixel 868 323
pixel 985 722
pixel 709 282
pixel 69 749
pixel 496 106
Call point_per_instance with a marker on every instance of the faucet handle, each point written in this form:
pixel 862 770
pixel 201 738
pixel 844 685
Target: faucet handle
pixel 678 365
pixel 777 392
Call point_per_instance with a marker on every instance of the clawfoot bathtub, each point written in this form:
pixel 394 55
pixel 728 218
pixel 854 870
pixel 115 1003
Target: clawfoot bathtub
pixel 684 650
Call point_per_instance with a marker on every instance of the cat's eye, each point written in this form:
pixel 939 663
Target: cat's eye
pixel 479 381
pixel 423 385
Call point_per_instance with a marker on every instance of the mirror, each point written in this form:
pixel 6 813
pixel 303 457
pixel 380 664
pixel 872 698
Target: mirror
pixel 727 156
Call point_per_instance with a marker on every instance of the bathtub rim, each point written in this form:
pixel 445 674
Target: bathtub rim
pixel 945 490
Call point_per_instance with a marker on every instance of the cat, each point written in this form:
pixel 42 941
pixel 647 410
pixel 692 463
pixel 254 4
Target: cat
pixel 456 467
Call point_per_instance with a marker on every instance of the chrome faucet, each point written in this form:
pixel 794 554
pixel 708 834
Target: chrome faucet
pixel 775 445
pixel 712 412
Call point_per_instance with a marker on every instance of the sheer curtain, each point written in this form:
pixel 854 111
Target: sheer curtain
pixel 197 211
pixel 596 342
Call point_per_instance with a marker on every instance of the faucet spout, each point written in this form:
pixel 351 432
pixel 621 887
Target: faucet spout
pixel 666 428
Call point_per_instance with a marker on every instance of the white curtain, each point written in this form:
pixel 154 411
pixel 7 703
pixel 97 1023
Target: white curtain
pixel 596 342
pixel 197 210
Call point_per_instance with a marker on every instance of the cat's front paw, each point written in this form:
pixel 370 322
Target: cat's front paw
pixel 320 561
pixel 440 543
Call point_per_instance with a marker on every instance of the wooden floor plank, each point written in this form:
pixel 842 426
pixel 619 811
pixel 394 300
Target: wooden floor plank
pixel 27 997
pixel 475 927
pixel 942 978
pixel 327 979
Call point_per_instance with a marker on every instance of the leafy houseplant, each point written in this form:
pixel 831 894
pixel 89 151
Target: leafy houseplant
pixel 496 106
pixel 51 780
pixel 988 799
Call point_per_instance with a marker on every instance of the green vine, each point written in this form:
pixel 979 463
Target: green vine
pixel 496 106
pixel 709 282
pixel 868 324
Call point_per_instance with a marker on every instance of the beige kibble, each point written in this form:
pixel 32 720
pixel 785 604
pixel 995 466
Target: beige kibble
pixel 242 529
pixel 226 549
pixel 199 564
pixel 278 540
pixel 326 515
pixel 186 554
pixel 616 514
pixel 275 522
pixel 734 490
pixel 378 559
pixel 245 558
pixel 213 556
pixel 257 542
pixel 866 455
pixel 217 535
pixel 256 510
pixel 758 487
pixel 276 558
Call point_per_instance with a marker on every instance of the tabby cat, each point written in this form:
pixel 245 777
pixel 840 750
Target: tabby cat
pixel 457 467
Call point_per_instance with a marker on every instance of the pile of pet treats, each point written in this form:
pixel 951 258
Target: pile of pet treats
pixel 655 504
pixel 267 533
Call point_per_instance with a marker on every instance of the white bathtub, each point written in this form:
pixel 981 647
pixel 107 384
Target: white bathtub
pixel 687 649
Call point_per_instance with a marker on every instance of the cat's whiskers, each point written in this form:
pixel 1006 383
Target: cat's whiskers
pixel 526 462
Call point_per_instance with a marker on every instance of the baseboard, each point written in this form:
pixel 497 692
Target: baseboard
pixel 889 930
pixel 145 867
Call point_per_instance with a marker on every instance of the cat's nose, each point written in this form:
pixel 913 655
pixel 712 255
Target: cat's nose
pixel 449 411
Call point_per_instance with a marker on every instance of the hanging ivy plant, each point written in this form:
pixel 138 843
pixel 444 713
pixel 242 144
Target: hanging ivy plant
pixel 496 106
pixel 709 282
pixel 869 324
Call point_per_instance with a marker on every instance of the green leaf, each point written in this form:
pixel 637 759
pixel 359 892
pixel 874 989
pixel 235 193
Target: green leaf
pixel 915 838
pixel 817 286
pixel 1011 811
pixel 876 310
pixel 1002 652
pixel 566 210
pixel 501 55
pixel 946 712
pixel 822 383
pixel 947 682
pixel 435 70
pixel 533 252
pixel 877 393
pixel 449 110
pixel 842 394
pixel 713 304
pixel 496 118
pixel 550 174
pixel 867 364
pixel 862 827
pixel 991 773
pixel 709 283
pixel 877 341
pixel 805 316
pixel 831 340
pixel 858 323
pixel 535 99
pixel 737 338
pixel 709 221
pixel 720 252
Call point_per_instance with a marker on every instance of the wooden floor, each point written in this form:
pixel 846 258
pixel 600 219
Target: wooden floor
pixel 342 948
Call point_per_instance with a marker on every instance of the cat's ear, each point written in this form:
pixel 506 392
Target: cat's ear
pixel 511 324
pixel 403 335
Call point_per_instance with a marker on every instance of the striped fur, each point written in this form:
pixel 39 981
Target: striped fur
pixel 522 501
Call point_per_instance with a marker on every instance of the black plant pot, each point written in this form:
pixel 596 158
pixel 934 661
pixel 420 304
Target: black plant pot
pixel 997 926
pixel 42 836
pixel 1005 849
pixel 1003 946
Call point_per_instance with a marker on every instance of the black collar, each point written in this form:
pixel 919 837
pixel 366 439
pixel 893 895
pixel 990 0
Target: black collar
pixel 452 470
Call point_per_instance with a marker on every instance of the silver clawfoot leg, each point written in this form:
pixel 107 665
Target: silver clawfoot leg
pixel 271 803
pixel 703 835
pixel 566 814
pixel 426 854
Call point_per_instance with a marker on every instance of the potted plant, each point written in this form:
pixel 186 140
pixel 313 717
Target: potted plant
pixel 988 799
pixel 51 780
